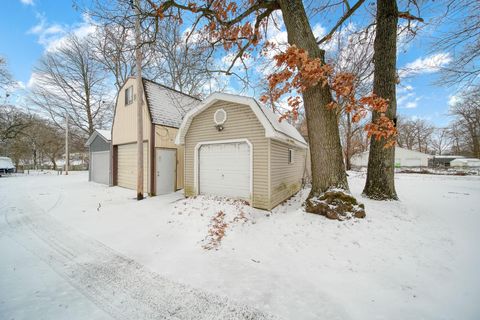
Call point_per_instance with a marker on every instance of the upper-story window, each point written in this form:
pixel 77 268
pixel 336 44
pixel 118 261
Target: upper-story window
pixel 290 156
pixel 129 95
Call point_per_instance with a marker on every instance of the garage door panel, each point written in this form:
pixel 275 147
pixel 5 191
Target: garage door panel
pixel 225 170
pixel 127 166
pixel 100 167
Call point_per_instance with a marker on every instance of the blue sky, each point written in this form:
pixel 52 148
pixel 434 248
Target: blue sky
pixel 29 27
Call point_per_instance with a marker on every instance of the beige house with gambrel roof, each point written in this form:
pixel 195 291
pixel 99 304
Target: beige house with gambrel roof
pixel 235 147
pixel 163 111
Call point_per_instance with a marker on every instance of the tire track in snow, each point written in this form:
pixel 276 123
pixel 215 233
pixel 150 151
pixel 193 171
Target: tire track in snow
pixel 118 285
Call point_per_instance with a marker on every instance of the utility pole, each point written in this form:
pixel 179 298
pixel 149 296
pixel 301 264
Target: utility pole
pixel 138 67
pixel 67 156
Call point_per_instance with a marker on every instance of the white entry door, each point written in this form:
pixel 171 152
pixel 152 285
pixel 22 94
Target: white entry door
pixel 224 170
pixel 100 167
pixel 166 170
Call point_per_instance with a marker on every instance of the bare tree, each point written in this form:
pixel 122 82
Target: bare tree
pixel 462 40
pixel 5 76
pixel 12 122
pixel 171 54
pixel 466 113
pixel 70 81
pixel 440 141
pixel 460 144
pixel 406 137
pixel 181 64
pixel 353 53
pixel 114 49
pixel 51 142
pixel 415 134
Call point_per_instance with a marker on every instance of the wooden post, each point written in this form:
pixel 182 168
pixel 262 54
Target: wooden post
pixel 138 67
pixel 66 144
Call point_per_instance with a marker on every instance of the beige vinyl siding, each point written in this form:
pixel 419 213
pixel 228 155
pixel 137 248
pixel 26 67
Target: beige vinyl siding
pixel 165 138
pixel 127 166
pixel 125 119
pixel 241 124
pixel 286 178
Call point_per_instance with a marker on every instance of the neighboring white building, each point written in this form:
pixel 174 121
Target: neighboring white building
pixel 466 162
pixel 403 158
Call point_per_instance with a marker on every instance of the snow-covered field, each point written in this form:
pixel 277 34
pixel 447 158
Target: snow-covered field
pixel 70 249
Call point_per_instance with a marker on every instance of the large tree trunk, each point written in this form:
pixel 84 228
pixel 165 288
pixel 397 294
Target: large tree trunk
pixel 328 170
pixel 348 144
pixel 380 175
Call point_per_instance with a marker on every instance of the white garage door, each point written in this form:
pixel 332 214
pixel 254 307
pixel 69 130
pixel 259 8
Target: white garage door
pixel 127 166
pixel 100 167
pixel 225 170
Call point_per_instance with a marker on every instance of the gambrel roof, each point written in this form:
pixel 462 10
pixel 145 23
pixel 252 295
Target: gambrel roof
pixel 167 106
pixel 275 129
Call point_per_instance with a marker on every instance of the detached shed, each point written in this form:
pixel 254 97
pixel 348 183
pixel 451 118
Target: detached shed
pixel 99 145
pixel 403 158
pixel 466 163
pixel 236 148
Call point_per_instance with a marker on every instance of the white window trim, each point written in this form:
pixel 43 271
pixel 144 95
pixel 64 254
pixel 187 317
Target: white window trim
pixel 196 163
pixel 127 103
pixel 291 154
pixel 215 117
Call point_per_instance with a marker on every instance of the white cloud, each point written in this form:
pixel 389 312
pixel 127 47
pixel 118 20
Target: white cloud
pixel 429 64
pixel 33 80
pixel 453 100
pixel 27 2
pixel 407 98
pixel 412 104
pixel 52 36
pixel 21 85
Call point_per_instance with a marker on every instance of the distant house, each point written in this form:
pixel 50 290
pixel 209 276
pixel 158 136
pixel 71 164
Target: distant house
pixel 6 166
pixel 238 149
pixel 443 160
pixel 163 110
pixel 403 158
pixel 465 163
pixel 99 145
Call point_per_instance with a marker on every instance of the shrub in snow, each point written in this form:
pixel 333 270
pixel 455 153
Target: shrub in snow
pixel 336 204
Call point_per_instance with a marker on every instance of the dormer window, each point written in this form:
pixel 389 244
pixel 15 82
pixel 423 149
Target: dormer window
pixel 129 95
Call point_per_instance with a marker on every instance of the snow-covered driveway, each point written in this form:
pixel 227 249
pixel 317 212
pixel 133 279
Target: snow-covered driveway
pixel 51 271
pixel 70 249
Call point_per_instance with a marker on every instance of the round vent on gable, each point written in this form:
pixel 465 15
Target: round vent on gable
pixel 220 117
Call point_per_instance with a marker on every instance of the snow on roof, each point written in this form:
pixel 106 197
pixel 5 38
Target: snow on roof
pixel 449 157
pixel 281 126
pixel 466 160
pixel 107 134
pixel 167 106
pixel 269 120
pixel 6 163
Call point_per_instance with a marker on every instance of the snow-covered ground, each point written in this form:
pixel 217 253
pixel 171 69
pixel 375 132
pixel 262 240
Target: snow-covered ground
pixel 69 248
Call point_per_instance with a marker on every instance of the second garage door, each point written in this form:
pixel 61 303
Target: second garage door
pixel 224 170
pixel 127 166
pixel 100 167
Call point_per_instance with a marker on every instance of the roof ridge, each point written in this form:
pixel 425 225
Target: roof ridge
pixel 172 89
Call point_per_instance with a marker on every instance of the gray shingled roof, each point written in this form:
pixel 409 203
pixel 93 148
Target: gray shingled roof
pixel 167 106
